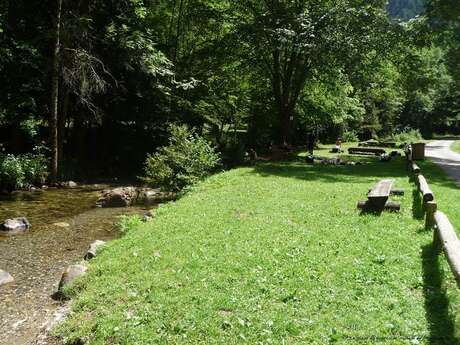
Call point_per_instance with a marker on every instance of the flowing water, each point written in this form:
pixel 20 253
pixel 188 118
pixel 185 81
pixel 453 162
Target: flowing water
pixel 64 223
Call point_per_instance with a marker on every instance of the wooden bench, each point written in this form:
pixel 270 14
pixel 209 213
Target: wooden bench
pixel 377 198
pixel 366 151
pixel 372 143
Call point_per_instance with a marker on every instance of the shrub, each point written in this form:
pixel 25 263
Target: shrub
pixel 186 160
pixel 350 137
pixel 12 175
pixel 35 168
pixel 20 171
pixel 407 135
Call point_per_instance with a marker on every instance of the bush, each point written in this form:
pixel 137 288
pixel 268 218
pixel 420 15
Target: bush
pixel 12 175
pixel 186 160
pixel 350 137
pixel 35 168
pixel 20 171
pixel 407 135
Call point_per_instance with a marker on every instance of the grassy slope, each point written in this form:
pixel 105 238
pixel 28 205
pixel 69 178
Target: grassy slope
pixel 272 254
pixel 456 147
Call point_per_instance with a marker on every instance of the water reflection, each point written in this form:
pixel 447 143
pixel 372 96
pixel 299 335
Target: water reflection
pixel 37 258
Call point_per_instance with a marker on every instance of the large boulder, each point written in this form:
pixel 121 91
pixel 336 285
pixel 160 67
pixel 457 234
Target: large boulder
pixel 118 197
pixel 93 249
pixel 70 274
pixel 15 225
pixel 128 196
pixel 5 278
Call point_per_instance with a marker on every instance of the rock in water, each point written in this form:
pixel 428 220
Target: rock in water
pixel 149 196
pixel 70 274
pixel 5 278
pixel 68 184
pixel 93 249
pixel 118 197
pixel 15 225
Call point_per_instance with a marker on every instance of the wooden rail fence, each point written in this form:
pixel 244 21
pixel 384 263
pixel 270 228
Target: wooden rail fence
pixel 444 236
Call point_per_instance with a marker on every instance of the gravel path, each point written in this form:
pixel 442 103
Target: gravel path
pixel 440 153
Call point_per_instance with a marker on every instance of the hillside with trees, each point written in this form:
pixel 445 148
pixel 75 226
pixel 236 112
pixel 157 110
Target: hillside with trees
pixel 95 85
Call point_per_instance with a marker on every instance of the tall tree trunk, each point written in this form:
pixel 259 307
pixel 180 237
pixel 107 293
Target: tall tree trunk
pixel 62 118
pixel 55 94
pixel 285 114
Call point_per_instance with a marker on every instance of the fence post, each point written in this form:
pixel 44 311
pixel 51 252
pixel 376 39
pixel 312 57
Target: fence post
pixel 430 209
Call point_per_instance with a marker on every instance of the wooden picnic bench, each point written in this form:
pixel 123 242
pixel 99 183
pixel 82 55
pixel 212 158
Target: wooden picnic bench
pixel 374 143
pixel 366 151
pixel 377 198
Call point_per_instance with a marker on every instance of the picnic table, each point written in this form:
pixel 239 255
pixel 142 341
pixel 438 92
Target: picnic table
pixel 378 197
pixel 366 151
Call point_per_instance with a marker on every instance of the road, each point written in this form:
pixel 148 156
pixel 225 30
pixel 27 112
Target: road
pixel 440 153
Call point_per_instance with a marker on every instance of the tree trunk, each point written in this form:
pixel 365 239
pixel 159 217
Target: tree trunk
pixel 55 95
pixel 285 114
pixel 62 118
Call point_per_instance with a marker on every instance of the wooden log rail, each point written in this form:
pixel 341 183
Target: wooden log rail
pixel 423 187
pixel 445 238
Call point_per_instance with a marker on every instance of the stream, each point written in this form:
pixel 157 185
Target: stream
pixel 64 223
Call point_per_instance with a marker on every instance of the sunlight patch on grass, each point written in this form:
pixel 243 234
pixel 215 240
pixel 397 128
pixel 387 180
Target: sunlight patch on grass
pixel 270 254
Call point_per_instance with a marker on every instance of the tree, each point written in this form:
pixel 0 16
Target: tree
pixel 55 93
pixel 291 40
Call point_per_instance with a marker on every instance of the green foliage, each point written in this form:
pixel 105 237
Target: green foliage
pixel 20 171
pixel 12 175
pixel 407 135
pixel 127 223
pixel 350 137
pixel 186 160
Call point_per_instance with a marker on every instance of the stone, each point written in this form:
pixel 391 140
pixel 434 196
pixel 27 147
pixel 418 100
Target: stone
pixel 128 196
pixel 15 225
pixel 118 197
pixel 68 184
pixel 5 278
pixel 70 274
pixel 148 215
pixel 93 249
pixel 149 196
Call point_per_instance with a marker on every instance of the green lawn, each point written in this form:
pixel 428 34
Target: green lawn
pixel 456 146
pixel 272 254
pixel 446 193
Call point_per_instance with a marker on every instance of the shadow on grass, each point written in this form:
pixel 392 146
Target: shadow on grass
pixel 371 169
pixel 417 206
pixel 441 322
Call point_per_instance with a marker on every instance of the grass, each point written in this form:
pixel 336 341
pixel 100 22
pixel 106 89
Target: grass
pixel 272 254
pixel 455 146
